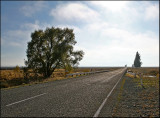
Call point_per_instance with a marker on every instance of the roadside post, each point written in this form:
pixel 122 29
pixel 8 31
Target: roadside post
pixel 141 77
pixel 135 75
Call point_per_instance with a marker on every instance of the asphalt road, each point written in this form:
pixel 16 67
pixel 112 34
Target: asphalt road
pixel 83 96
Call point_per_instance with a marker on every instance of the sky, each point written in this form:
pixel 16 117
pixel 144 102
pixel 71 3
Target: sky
pixel 109 32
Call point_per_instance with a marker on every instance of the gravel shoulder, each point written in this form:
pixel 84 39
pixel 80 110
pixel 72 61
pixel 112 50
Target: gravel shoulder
pixel 130 99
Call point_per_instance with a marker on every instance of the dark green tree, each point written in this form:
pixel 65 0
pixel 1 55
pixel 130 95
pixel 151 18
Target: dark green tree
pixel 51 49
pixel 137 60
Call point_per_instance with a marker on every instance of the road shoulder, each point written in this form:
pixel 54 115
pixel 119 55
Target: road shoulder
pixel 129 99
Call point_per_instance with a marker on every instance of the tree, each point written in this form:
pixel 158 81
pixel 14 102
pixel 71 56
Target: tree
pixel 50 49
pixel 137 61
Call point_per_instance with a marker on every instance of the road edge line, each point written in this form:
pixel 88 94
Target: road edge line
pixel 104 101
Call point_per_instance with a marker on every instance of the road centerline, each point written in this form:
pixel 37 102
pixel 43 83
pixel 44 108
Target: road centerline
pixel 25 99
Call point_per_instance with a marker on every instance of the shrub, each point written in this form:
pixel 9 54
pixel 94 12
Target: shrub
pixel 17 69
pixel 3 84
pixel 15 82
pixel 153 72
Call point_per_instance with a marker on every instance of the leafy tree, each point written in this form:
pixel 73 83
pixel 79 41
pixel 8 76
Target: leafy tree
pixel 137 61
pixel 52 48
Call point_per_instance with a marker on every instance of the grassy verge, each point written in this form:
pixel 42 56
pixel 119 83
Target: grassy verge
pixel 36 82
pixel 19 82
pixel 136 101
pixel 119 98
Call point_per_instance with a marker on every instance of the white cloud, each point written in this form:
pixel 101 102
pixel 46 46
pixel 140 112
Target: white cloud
pixel 21 36
pixel 15 44
pixel 152 12
pixel 35 26
pixel 31 26
pixel 107 44
pixel 114 6
pixel 116 33
pixel 74 12
pixel 117 46
pixel 122 13
pixel 15 38
pixel 126 12
pixel 105 37
pixel 32 8
pixel 75 28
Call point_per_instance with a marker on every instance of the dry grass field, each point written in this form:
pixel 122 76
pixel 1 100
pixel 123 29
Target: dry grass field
pixel 11 78
pixel 15 77
pixel 146 70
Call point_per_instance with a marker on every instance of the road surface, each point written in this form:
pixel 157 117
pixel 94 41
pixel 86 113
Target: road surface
pixel 83 96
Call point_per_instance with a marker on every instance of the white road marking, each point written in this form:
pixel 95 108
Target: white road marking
pixel 99 109
pixel 25 99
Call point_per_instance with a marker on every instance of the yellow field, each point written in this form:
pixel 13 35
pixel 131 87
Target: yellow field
pixel 11 74
pixel 147 81
pixel 10 78
pixel 145 70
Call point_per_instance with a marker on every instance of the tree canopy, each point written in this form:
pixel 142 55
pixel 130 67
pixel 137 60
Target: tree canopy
pixel 137 61
pixel 52 48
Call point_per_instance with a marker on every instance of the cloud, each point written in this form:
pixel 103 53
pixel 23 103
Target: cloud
pixel 152 12
pixel 31 26
pixel 116 33
pixel 15 38
pixel 104 30
pixel 21 36
pixel 74 12
pixel 15 44
pixel 116 46
pixel 126 13
pixel 75 28
pixel 35 26
pixel 122 13
pixel 32 8
pixel 114 6
pixel 107 44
